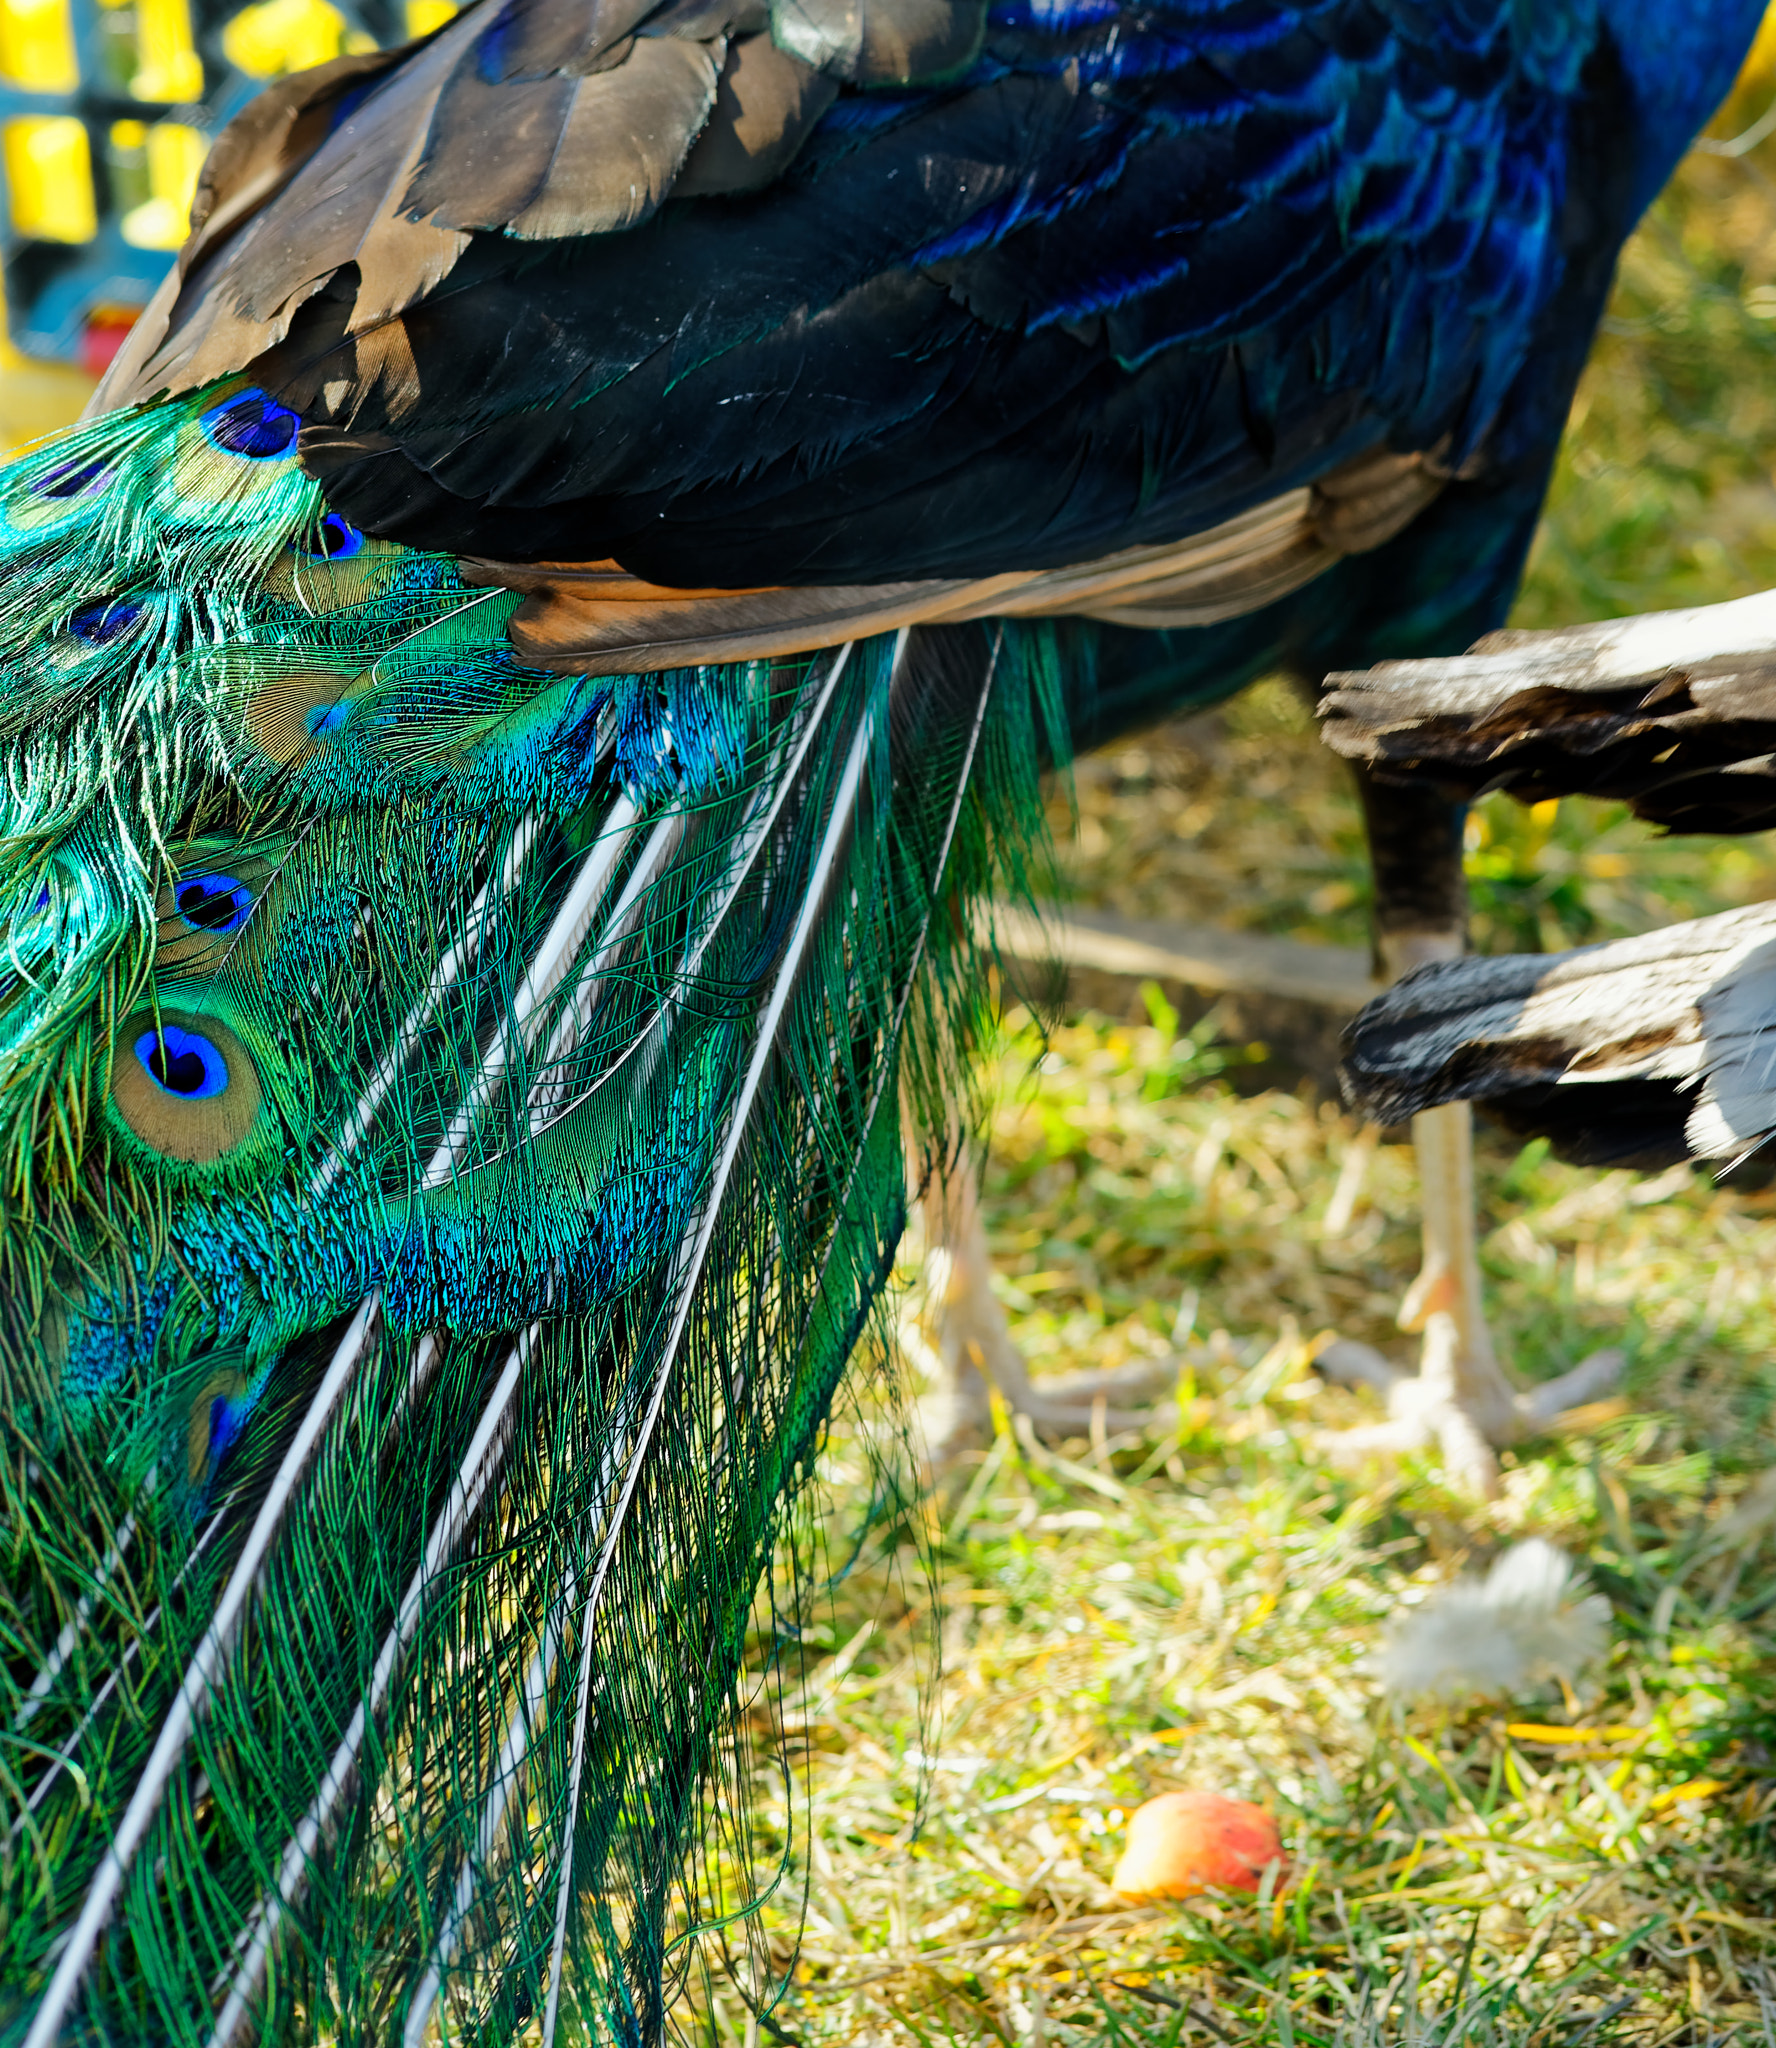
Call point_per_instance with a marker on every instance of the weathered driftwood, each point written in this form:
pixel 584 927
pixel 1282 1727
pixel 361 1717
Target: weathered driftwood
pixel 1290 998
pixel 1674 712
pixel 1640 1052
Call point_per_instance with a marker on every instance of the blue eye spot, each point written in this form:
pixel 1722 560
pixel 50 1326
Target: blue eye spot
pixel 227 1420
pixel 213 903
pixel 181 1063
pixel 336 540
pixel 98 623
pixel 71 480
pixel 252 424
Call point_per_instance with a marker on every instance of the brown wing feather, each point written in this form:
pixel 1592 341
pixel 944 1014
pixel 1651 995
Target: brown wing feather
pixel 578 130
pixel 538 41
pixel 488 149
pixel 596 619
pixel 1371 498
pixel 263 148
pixel 574 626
pixel 583 126
pixel 765 104
pixel 238 302
pixel 625 139
pixel 250 163
pixel 880 42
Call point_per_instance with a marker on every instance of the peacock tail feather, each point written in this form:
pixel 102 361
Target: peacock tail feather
pixel 451 1129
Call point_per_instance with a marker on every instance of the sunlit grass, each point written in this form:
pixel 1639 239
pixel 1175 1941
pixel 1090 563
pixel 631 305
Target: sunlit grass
pixel 1199 1606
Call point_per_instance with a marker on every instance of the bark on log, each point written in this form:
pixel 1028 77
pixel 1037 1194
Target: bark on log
pixel 1636 1053
pixel 1672 712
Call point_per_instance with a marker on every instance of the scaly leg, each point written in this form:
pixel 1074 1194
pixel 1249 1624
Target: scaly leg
pixel 1460 1398
pixel 974 1350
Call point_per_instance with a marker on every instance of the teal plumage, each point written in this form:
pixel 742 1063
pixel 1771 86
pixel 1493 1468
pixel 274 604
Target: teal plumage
pixel 445 1101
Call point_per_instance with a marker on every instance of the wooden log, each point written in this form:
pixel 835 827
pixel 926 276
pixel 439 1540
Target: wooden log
pixel 1672 712
pixel 1200 955
pixel 1292 998
pixel 1639 1052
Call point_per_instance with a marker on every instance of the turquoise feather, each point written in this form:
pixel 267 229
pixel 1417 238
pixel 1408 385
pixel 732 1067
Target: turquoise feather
pixel 451 1124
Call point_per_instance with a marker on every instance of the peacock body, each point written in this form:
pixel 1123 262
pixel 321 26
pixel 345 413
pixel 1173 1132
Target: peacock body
pixel 507 723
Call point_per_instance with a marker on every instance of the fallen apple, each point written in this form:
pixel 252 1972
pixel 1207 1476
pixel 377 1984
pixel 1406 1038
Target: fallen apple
pixel 1183 1843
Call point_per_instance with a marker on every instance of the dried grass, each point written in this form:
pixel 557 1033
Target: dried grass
pixel 1202 1607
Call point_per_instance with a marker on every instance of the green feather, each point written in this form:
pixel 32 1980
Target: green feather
pixel 451 1126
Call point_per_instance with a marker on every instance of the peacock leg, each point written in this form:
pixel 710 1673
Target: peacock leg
pixel 973 1348
pixel 1461 1398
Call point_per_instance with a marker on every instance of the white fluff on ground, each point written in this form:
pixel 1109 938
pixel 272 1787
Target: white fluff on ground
pixel 1531 1619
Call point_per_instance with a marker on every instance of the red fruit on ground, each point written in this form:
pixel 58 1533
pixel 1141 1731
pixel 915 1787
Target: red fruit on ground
pixel 1183 1843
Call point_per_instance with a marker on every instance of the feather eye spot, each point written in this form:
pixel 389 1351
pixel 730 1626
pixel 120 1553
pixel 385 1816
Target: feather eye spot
pixel 183 1063
pixel 107 620
pixel 185 1086
pixel 322 719
pixel 217 904
pixel 336 540
pixel 217 1417
pixel 252 425
pixel 55 499
pixel 287 716
pixel 71 480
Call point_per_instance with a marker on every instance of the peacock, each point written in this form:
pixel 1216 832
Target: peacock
pixel 515 700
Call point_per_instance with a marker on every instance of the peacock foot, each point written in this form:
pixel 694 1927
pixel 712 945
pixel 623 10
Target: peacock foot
pixel 968 1353
pixel 1459 1401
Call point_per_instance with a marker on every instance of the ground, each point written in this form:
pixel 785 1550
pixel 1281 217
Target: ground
pixel 1001 1675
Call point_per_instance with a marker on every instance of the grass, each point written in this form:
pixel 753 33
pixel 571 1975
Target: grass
pixel 1200 1605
